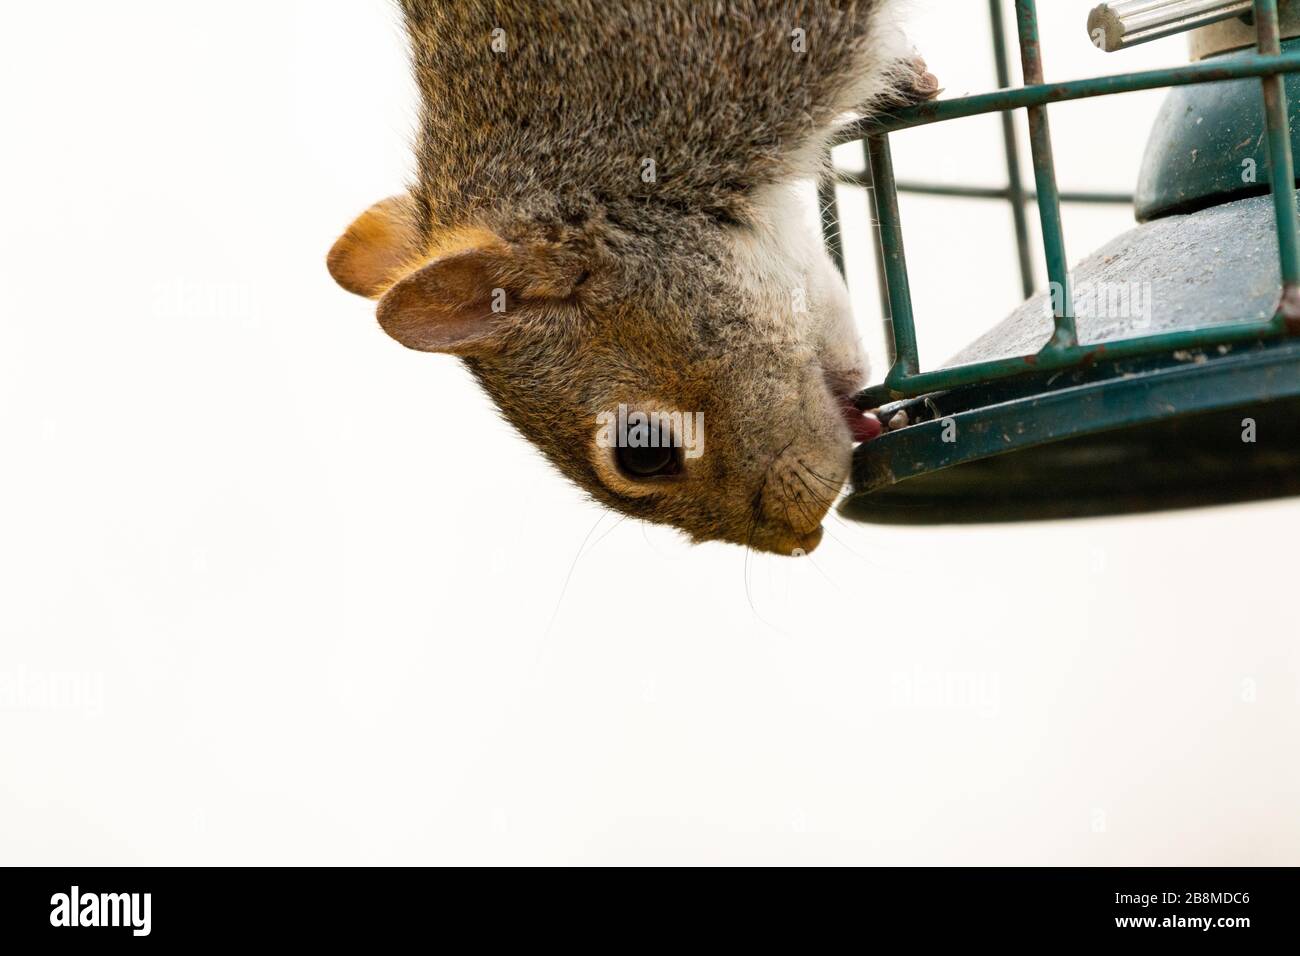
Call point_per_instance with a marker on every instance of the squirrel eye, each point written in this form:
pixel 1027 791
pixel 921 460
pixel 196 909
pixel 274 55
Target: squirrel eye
pixel 641 463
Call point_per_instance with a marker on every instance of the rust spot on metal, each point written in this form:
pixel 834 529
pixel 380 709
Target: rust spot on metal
pixel 1289 308
pixel 1092 357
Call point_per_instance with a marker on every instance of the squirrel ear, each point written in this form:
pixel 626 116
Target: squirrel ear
pixel 378 248
pixel 453 304
pixel 461 302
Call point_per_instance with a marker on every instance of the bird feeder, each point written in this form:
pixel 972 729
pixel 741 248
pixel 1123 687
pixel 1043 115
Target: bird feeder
pixel 1065 411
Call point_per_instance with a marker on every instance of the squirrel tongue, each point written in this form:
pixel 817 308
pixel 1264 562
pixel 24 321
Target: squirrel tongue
pixel 864 426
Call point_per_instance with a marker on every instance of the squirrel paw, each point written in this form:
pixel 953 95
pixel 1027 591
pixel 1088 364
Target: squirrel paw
pixel 916 83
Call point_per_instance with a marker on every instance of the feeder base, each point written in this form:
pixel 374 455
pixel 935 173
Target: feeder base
pixel 1177 431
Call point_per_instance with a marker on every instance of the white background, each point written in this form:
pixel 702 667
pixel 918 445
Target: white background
pixel 274 589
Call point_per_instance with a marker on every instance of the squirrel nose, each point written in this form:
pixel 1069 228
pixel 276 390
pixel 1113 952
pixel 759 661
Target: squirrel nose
pixel 799 545
pixel 807 543
pixel 787 542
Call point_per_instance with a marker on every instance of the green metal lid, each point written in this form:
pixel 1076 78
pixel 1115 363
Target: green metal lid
pixel 1209 145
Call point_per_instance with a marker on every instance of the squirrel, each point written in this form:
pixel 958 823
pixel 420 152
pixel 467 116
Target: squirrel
pixel 606 226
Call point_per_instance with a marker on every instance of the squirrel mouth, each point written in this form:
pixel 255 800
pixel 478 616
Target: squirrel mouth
pixel 864 426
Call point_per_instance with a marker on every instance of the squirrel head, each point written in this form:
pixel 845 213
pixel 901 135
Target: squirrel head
pixel 686 371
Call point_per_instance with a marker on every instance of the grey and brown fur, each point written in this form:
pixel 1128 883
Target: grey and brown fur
pixel 674 293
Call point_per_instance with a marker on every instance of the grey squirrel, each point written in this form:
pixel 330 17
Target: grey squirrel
pixel 605 220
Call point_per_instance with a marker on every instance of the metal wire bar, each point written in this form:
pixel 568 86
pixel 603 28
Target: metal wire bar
pixel 846 178
pixel 1049 197
pixel 891 245
pixel 1015 191
pixel 1043 94
pixel 922 382
pixel 1281 165
pixel 882 282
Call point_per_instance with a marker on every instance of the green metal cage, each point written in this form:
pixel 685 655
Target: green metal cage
pixel 1070 395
